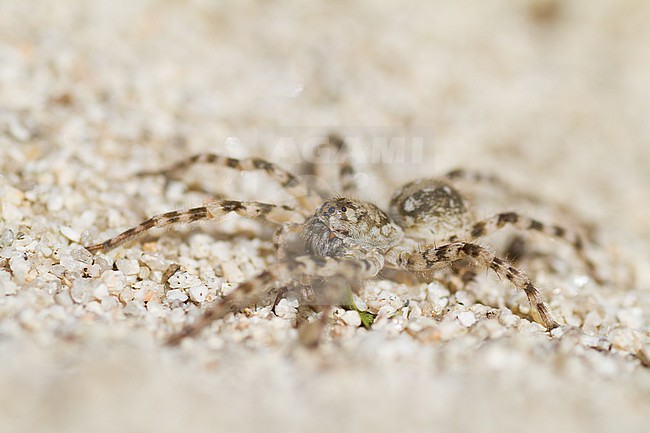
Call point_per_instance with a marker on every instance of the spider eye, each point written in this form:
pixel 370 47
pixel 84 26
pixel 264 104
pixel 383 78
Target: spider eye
pixel 343 209
pixel 331 209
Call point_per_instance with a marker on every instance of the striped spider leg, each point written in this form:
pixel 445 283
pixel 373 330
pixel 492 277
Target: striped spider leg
pixel 212 211
pixel 348 241
pixel 307 198
pixel 284 272
pixel 433 258
pixel 433 210
pixel 334 146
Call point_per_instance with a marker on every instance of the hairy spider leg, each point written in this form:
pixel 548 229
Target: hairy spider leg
pixel 496 222
pixel 304 195
pixel 214 210
pixel 430 258
pixel 346 172
pixel 282 272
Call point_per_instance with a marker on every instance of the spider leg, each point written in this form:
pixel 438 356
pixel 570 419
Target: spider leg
pixel 445 254
pixel 346 175
pixel 213 210
pixel 522 222
pixel 463 271
pixel 305 196
pixel 242 293
pixel 347 268
pixel 309 334
pixel 280 239
pixel 476 177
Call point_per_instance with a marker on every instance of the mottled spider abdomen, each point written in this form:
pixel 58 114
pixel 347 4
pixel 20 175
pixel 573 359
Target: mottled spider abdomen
pixel 430 209
pixel 343 225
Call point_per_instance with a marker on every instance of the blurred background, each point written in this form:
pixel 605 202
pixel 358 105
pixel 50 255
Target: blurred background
pixel 520 87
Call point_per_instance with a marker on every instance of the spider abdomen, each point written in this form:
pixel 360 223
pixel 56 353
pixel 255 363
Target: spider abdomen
pixel 429 209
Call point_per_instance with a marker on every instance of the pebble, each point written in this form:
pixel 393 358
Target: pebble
pixel 593 320
pixel 7 237
pixel 155 261
pixel 81 291
pixel 81 255
pixel 594 341
pixel 7 286
pixel 177 315
pixel 359 303
pixel 94 307
pixel 104 263
pixel 95 271
pixel 18 130
pixel 439 305
pixel 413 311
pixel 126 295
pixel 27 318
pixel 11 195
pixel 176 295
pixel 68 262
pixel 388 297
pixel 201 245
pixel 631 317
pixel 149 291
pixel 109 303
pixel 57 312
pixel 507 318
pixel 386 311
pixel 351 318
pixel 135 309
pixel 449 329
pixel 198 293
pixel 144 273
pixel 86 219
pixel 70 233
pixel 10 212
pixel 438 296
pixel 436 290
pixel 114 281
pixel 182 280
pixel 232 272
pixel 287 308
pixel 44 250
pixel 63 298
pixel 20 266
pixel 466 318
pixel 221 251
pixel 463 297
pixel 55 202
pixel 625 339
pixel 128 266
pixel 100 291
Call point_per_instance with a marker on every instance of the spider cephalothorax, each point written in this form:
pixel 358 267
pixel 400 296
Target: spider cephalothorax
pixel 341 225
pixel 354 240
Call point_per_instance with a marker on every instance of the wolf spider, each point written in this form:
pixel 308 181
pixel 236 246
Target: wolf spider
pixel 354 240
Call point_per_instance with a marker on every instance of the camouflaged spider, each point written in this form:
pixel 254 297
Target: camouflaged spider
pixel 353 239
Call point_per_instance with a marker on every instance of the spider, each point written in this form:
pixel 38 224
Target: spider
pixel 354 240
